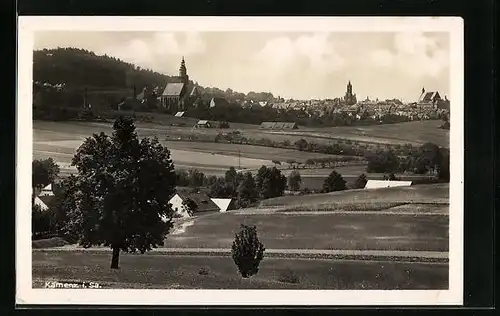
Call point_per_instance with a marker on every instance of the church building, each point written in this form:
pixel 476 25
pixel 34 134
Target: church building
pixel 180 94
pixel 350 98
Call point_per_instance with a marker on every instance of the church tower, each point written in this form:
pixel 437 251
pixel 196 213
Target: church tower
pixel 183 72
pixel 350 98
pixel 349 88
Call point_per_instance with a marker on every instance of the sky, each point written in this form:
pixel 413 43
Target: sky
pixel 291 65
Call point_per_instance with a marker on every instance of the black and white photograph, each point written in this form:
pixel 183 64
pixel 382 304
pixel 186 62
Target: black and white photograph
pixel 224 154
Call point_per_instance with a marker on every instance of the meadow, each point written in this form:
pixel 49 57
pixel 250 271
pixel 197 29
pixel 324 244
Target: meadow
pixel 416 132
pixel 59 140
pixel 153 271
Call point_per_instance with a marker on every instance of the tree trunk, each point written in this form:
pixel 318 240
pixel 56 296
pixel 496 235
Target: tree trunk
pixel 115 258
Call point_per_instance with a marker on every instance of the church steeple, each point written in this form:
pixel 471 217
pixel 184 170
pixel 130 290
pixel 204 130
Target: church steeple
pixel 183 72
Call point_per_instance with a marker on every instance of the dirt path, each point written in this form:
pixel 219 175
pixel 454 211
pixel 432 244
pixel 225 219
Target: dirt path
pixel 372 255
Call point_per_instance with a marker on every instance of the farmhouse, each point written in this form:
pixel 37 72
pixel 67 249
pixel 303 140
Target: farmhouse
pixel 378 184
pixel 279 125
pixel 203 202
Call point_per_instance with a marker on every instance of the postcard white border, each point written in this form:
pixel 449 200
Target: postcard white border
pixel 25 294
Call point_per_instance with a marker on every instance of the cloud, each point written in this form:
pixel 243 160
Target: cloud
pixel 155 51
pixel 314 52
pixel 415 54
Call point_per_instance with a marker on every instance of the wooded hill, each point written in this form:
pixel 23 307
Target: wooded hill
pixel 78 69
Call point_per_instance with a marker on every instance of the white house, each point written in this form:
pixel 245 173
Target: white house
pixel 177 206
pixel 377 184
pixel 41 204
pixel 47 191
pixel 203 202
pixel 179 114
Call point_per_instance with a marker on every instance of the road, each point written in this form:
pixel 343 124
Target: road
pixel 371 255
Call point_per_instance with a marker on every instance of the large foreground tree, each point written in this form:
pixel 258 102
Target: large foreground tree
pixel 122 194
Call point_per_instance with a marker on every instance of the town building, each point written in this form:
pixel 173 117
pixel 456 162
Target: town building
pixel 180 94
pixel 433 99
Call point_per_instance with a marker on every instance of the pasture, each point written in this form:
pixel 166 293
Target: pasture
pixel 385 222
pixel 153 271
pixel 60 141
pixel 413 218
pixel 416 132
pixel 396 232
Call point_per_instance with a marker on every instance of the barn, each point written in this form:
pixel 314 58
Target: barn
pixel 204 123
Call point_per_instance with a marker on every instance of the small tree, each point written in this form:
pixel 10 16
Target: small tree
pixel 361 181
pixel 294 181
pixel 247 192
pixel 196 178
pixel 189 206
pixel 220 189
pixel 334 182
pixel 44 172
pixel 270 182
pixel 247 251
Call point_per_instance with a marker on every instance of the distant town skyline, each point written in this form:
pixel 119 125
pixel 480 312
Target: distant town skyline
pixel 291 65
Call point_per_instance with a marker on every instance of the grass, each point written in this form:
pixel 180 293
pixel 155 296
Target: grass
pixel 433 193
pixel 319 231
pixel 182 272
pixel 417 132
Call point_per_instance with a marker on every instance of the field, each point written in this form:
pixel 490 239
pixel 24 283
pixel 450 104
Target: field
pixel 387 222
pixel 380 239
pixel 418 132
pixel 193 272
pixel 60 140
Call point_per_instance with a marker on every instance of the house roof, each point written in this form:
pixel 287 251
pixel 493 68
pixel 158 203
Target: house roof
pixel 42 202
pixel 278 125
pixel 202 200
pixel 218 102
pixel 179 114
pixel 202 122
pixel 222 204
pixel 173 89
pixel 429 96
pixel 377 184
pixel 194 91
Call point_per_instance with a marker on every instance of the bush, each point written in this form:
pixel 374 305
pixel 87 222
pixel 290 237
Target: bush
pixel 288 276
pixel 247 251
pixel 203 271
pixel 334 182
pixel 361 181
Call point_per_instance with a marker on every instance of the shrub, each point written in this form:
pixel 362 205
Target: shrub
pixel 288 276
pixel 334 182
pixel 203 271
pixel 361 181
pixel 247 251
